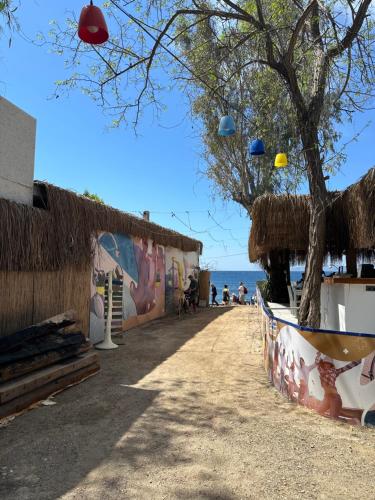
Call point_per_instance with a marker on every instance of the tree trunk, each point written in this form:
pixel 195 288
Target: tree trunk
pixel 351 262
pixel 278 276
pixel 309 312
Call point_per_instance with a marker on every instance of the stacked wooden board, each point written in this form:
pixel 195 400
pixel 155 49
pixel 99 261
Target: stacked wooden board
pixel 41 360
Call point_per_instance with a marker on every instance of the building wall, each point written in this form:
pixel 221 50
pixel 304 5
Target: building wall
pixel 27 298
pixel 17 151
pixel 146 281
pixel 179 265
pixel 139 276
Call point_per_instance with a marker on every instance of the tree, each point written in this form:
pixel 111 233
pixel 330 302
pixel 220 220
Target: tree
pixel 92 196
pixel 261 107
pixel 7 13
pixel 320 51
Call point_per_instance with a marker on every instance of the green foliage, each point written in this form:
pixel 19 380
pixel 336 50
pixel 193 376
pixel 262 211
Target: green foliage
pixel 7 13
pixel 261 107
pixel 218 59
pixel 93 196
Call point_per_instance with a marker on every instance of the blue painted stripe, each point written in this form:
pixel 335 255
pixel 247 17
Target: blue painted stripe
pixel 270 314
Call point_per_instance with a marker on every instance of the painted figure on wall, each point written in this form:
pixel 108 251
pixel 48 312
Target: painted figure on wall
pixel 330 373
pixel 179 266
pixel 139 278
pixel 303 374
pixel 97 300
pixel 143 292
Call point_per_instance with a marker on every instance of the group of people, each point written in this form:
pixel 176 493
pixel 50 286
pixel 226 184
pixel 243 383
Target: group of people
pixel 226 298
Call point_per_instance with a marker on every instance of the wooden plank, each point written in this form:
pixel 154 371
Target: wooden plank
pixel 16 388
pixel 350 281
pixel 14 370
pixel 37 346
pixel 23 402
pixel 32 332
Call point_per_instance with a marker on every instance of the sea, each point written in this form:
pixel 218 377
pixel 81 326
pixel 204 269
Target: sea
pixel 233 278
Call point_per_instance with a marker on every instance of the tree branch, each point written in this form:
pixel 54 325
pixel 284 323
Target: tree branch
pixel 298 28
pixel 352 31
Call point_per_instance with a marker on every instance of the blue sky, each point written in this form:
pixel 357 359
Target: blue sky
pixel 156 170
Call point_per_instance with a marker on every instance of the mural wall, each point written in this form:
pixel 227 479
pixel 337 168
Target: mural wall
pixel 330 372
pixel 179 265
pixel 138 267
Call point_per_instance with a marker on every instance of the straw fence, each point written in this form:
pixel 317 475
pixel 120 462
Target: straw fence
pixel 30 297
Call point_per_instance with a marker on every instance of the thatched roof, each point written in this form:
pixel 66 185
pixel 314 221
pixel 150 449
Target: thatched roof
pixel 278 222
pixel 37 239
pixel 359 201
pixel 282 222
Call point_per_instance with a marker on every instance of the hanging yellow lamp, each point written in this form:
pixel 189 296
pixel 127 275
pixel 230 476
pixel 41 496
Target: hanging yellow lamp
pixel 281 160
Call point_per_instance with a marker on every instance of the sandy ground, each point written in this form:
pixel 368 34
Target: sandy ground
pixel 183 410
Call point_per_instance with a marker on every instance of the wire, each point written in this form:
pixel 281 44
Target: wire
pixel 157 212
pixel 225 229
pixel 223 256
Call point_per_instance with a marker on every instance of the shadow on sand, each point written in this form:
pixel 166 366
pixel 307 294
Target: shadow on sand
pixel 49 450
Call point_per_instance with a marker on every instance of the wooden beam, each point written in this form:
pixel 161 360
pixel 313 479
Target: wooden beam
pixel 37 346
pixel 32 332
pixel 24 385
pixel 17 369
pixel 23 402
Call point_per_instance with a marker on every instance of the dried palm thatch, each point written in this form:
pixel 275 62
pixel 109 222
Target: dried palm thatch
pixel 282 222
pixel 278 223
pixel 359 203
pixel 34 239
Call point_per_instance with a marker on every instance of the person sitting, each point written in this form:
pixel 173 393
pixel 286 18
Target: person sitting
pixel 226 297
pixel 299 284
pixel 235 299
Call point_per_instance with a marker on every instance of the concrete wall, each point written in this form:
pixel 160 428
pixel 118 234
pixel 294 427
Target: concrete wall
pixel 332 305
pixel 347 307
pixel 17 151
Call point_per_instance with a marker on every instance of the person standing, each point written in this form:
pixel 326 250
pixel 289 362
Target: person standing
pixel 241 293
pixel 226 296
pixel 214 295
pixel 193 290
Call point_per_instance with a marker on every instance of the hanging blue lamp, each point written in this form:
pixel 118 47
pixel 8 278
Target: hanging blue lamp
pixel 256 148
pixel 226 126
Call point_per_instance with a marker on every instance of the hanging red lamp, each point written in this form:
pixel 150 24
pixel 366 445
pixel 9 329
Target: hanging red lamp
pixel 92 27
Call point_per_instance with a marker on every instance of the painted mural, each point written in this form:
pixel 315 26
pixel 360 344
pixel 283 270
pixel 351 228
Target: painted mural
pixel 330 372
pixel 138 285
pixel 179 265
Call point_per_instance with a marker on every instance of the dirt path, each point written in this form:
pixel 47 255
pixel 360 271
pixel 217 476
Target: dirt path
pixel 183 410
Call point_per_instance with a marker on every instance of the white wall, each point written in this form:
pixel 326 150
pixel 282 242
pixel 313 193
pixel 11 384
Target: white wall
pixel 17 151
pixel 347 307
pixel 360 309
